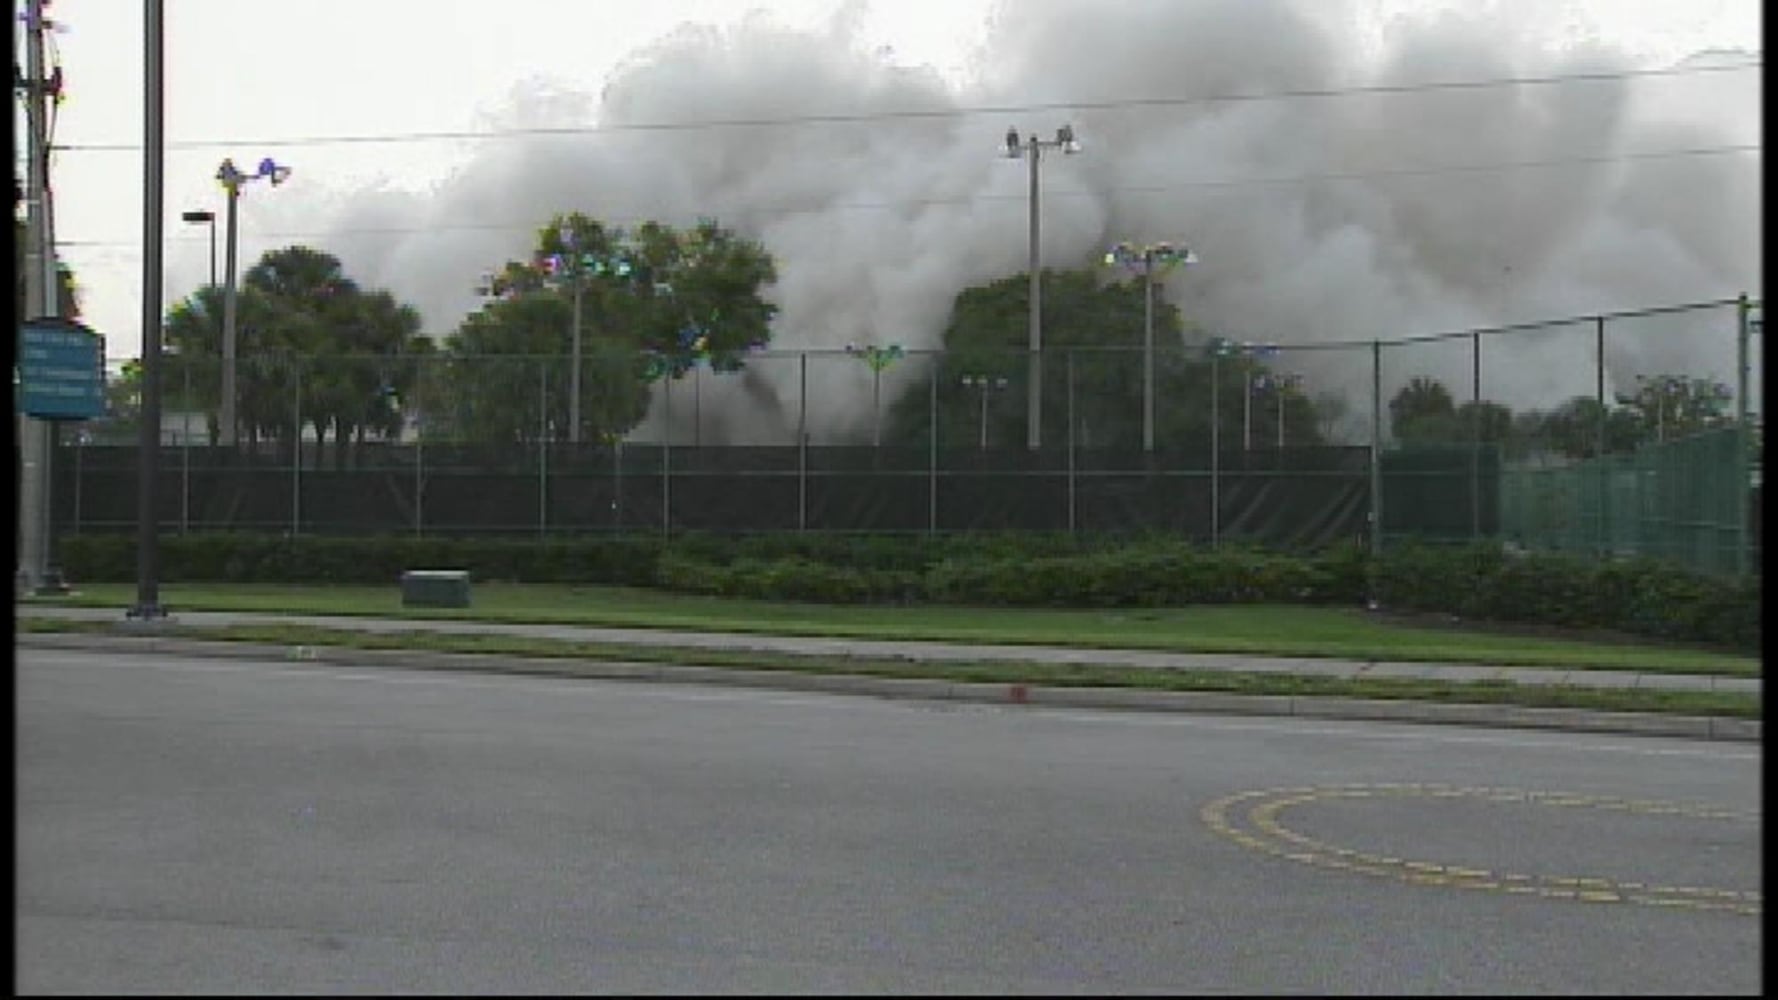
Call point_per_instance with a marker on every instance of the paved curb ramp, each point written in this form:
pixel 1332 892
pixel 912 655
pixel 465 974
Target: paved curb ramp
pixel 142 638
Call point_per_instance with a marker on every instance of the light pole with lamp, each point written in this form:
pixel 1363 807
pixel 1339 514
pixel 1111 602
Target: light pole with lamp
pixel 1251 383
pixel 1217 348
pixel 573 266
pixel 205 216
pixel 1032 149
pixel 1147 260
pixel 878 358
pixel 1663 387
pixel 208 217
pixel 1278 383
pixel 984 383
pixel 232 178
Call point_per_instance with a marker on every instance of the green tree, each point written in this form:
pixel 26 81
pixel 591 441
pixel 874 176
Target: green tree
pixel 123 407
pixel 1101 325
pixel 1486 421
pixel 1572 430
pixel 301 324
pixel 1675 406
pixel 654 303
pixel 1422 413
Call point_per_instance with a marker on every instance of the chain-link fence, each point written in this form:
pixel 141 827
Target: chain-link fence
pixel 1284 443
pixel 1675 500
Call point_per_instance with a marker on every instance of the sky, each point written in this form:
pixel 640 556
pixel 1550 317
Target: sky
pixel 1299 209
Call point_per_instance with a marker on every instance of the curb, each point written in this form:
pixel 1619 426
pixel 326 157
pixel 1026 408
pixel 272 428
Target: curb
pixel 1201 702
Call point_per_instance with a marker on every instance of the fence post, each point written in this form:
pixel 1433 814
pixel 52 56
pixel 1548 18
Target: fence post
pixel 802 440
pixel 1376 450
pixel 419 449
pixel 1742 332
pixel 296 447
pixel 1215 454
pixel 1604 466
pixel 1743 439
pixel 185 452
pixel 1071 480
pixel 932 451
pixel 667 456
pixel 542 444
pixel 1475 443
pixel 79 446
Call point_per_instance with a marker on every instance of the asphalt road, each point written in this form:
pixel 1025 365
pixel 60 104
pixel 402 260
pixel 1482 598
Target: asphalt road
pixel 237 826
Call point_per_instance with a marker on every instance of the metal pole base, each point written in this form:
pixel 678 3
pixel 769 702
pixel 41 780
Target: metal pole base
pixel 53 585
pixel 147 613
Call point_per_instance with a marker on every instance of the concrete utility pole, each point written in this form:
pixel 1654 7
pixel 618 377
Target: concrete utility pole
pixel 41 300
pixel 1032 149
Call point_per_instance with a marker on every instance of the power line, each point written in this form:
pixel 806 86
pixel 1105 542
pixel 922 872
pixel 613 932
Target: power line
pixel 935 113
pixel 1021 199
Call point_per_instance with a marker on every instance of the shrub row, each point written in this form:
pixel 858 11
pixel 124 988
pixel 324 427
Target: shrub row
pixel 1478 582
pixel 1640 596
pixel 238 557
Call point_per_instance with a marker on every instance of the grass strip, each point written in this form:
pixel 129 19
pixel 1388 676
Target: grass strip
pixel 1262 630
pixel 1724 704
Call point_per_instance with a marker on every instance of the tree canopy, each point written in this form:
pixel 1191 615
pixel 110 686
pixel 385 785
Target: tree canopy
pixel 1100 324
pixel 303 328
pixel 1664 407
pixel 654 303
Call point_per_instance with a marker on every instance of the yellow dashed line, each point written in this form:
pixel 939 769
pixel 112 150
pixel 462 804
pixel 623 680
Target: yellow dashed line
pixel 1293 846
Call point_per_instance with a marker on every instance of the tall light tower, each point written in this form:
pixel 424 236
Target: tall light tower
pixel 1280 383
pixel 1249 385
pixel 572 267
pixel 1032 150
pixel 232 179
pixel 878 358
pixel 983 383
pixel 1147 260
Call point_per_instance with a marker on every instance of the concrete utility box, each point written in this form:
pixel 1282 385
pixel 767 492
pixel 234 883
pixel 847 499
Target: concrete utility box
pixel 435 588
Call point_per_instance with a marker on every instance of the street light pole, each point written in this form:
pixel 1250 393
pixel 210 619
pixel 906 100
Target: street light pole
pixel 1032 149
pixel 1250 382
pixel 1281 418
pixel 577 275
pixel 226 418
pixel 1278 384
pixel 232 178
pixel 983 383
pixel 206 216
pixel 1155 255
pixel 878 358
pixel 1248 385
pixel 148 607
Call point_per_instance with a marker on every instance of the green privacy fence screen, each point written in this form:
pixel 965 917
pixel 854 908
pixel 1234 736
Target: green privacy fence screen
pixel 1687 501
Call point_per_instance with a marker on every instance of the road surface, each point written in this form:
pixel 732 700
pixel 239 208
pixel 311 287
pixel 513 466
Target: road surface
pixel 249 826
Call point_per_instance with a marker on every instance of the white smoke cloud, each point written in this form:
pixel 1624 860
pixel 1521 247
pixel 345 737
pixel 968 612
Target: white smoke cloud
pixel 878 223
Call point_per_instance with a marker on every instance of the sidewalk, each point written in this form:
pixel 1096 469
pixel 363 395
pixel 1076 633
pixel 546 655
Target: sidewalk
pixel 952 652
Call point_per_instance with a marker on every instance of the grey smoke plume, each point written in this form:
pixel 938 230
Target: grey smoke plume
pixel 877 224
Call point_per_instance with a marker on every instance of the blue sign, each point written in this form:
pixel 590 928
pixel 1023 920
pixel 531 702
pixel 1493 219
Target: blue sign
pixel 61 371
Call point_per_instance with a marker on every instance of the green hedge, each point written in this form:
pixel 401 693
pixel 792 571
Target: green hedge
pixel 233 557
pixel 1640 596
pixel 1476 582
